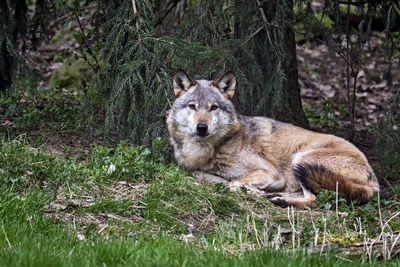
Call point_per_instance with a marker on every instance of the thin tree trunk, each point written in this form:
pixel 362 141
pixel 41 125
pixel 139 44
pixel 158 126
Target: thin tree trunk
pixel 289 108
pixel 6 60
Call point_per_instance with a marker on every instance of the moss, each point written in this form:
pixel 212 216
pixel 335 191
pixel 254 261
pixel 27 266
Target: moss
pixel 316 28
pixel 339 239
pixel 75 73
pixel 325 20
pixel 353 9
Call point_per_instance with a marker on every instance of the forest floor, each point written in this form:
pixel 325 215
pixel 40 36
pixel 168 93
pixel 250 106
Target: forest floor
pixel 323 82
pixel 129 205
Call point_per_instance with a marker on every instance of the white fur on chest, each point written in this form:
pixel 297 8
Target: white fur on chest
pixel 196 156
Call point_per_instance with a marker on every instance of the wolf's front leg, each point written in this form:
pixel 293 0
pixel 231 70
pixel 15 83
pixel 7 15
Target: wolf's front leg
pixel 265 180
pixel 204 176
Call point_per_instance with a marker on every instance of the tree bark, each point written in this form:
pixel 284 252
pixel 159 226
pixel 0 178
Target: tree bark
pixel 289 108
pixel 12 29
pixel 6 60
pixel 169 15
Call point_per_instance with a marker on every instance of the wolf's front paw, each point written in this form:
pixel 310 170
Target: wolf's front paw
pixel 236 186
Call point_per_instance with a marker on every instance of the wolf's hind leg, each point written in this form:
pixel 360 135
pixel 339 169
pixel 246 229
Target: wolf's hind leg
pixel 265 180
pixel 298 199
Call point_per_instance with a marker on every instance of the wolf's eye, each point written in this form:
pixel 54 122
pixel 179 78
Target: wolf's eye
pixel 192 106
pixel 214 107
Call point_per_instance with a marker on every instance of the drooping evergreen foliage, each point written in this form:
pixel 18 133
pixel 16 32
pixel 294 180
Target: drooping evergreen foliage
pixel 213 36
pixel 24 25
pixel 13 25
pixel 135 78
pixel 255 47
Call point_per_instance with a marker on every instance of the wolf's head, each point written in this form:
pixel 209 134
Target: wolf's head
pixel 202 108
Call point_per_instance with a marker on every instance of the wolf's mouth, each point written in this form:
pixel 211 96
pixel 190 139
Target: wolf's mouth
pixel 202 135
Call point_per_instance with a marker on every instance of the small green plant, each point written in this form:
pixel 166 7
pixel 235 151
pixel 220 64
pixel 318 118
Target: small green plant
pixel 311 70
pixel 29 117
pixel 326 200
pixel 325 118
pixel 125 162
pixel 8 103
pixel 396 189
pixel 388 142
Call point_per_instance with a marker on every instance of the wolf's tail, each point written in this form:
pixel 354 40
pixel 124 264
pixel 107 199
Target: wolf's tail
pixel 314 177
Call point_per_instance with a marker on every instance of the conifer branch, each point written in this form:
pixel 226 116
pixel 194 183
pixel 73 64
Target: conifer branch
pixel 254 34
pixel 159 40
pixel 396 8
pixel 134 7
pixel 85 41
pixel 264 17
pixel 135 12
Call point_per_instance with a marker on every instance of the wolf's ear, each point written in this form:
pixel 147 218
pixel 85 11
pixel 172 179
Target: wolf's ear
pixel 182 82
pixel 226 83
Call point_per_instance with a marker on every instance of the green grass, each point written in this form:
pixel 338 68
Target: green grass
pixel 57 210
pixel 28 238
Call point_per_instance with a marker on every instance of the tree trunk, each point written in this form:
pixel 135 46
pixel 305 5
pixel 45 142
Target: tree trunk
pixel 12 29
pixel 6 60
pixel 169 15
pixel 289 108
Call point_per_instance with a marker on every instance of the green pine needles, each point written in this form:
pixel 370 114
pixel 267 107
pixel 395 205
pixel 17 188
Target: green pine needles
pixel 13 25
pixel 134 81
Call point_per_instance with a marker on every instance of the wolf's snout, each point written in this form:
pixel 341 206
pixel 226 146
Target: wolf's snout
pixel 202 129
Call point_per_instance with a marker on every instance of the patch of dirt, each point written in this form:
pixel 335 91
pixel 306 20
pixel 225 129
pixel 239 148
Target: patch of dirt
pixel 322 77
pixel 71 202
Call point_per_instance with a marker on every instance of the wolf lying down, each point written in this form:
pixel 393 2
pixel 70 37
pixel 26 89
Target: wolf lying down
pixel 288 163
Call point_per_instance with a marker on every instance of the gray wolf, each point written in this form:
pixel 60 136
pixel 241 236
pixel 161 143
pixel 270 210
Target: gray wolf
pixel 286 163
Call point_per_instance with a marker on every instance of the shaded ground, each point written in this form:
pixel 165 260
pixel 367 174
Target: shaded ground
pixel 322 78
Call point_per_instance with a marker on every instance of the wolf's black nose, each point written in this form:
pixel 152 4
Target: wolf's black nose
pixel 201 129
